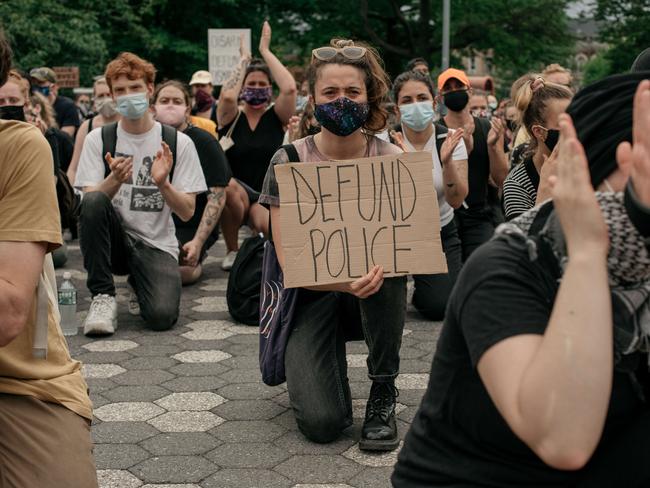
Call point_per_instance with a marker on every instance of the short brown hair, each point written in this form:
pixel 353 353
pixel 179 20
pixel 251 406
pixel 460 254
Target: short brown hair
pixel 130 65
pixel 5 58
pixel 377 83
pixel 173 83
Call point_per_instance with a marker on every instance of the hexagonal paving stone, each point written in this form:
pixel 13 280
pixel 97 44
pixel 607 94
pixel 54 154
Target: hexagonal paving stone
pixel 318 469
pixel 128 412
pixel 149 362
pixel 214 285
pixel 247 431
pixel 122 432
pixel 338 485
pixel 210 356
pixel 184 421
pixel 244 330
pixel 180 444
pixel 247 455
pixel 190 401
pixel 357 360
pixel 373 478
pixel 246 478
pixel 171 486
pixel 146 393
pixel 174 469
pixel 194 383
pixel 211 304
pixel 199 369
pixel 208 330
pixel 412 381
pixel 249 391
pixel 101 370
pixel 114 478
pixel 118 456
pixel 378 460
pixel 110 345
pixel 139 378
pixel 295 442
pixel 242 375
pixel 249 410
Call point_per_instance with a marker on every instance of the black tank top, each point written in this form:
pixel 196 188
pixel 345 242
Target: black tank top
pixel 249 158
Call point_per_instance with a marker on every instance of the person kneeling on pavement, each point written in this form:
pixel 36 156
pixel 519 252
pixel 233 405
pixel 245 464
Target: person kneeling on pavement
pixel 130 192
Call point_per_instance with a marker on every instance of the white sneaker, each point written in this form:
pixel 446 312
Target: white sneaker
pixel 228 261
pixel 102 316
pixel 134 305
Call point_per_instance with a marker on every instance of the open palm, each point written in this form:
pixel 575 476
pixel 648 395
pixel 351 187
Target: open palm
pixel 162 165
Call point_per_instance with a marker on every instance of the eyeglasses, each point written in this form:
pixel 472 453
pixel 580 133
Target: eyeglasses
pixel 327 53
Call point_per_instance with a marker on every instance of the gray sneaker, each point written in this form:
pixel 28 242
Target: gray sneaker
pixel 102 316
pixel 134 305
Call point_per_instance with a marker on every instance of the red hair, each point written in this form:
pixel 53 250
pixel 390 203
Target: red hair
pixel 131 66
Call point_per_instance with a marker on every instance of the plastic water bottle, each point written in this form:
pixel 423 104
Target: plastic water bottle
pixel 68 305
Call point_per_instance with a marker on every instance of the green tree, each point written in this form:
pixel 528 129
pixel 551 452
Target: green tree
pixel 625 28
pixel 596 68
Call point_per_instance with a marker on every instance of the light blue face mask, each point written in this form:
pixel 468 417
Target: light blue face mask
pixel 417 116
pixel 133 106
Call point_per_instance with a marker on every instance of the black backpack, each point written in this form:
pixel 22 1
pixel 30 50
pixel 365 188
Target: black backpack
pixel 69 202
pixel 243 293
pixel 109 143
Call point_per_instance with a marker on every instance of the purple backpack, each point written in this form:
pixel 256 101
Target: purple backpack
pixel 277 306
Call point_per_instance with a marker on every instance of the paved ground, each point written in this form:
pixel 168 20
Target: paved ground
pixel 186 408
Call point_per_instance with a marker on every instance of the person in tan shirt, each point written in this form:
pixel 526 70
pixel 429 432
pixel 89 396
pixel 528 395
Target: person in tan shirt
pixel 45 411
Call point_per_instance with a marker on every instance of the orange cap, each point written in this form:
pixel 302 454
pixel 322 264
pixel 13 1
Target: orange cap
pixel 452 73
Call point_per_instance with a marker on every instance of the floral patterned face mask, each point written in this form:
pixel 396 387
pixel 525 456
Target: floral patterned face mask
pixel 342 116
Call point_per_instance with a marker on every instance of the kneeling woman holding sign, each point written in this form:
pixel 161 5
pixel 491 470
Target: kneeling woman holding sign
pixel 347 86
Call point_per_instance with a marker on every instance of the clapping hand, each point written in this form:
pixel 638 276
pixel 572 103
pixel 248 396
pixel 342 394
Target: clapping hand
pixel 162 165
pixel 448 146
pixel 121 167
pixel 265 38
pixel 574 198
pixel 634 158
pixel 497 131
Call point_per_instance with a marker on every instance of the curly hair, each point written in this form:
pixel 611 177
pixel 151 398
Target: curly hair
pixel 5 58
pixel 377 82
pixel 130 65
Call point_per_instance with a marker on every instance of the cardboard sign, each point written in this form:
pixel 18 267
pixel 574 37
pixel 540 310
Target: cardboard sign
pixel 67 76
pixel 223 52
pixel 340 218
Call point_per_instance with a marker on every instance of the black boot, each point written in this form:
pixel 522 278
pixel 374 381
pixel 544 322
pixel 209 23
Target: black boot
pixel 379 432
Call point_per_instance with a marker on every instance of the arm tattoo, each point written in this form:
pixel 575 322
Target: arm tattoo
pixel 211 213
pixel 235 77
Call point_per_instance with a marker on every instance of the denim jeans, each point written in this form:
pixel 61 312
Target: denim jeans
pixel 432 291
pixel 315 361
pixel 475 227
pixel 107 249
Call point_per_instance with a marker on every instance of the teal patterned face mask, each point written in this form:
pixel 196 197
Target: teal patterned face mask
pixel 342 116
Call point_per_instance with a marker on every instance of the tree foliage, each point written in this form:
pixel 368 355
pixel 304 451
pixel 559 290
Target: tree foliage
pixel 626 29
pixel 521 34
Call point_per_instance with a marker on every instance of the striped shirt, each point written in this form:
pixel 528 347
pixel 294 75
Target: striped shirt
pixel 520 189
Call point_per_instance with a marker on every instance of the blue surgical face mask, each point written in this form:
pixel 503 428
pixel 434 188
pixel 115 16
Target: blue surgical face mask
pixel 43 90
pixel 133 106
pixel 417 116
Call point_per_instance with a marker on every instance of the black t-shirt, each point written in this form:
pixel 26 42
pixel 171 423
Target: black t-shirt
pixel 249 158
pixel 458 438
pixel 66 112
pixel 215 170
pixel 62 147
pixel 478 170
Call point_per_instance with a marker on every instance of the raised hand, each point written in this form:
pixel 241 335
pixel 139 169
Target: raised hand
pixel 398 140
pixel 121 167
pixel 635 158
pixel 497 131
pixel 448 146
pixel 244 53
pixel 265 38
pixel 367 285
pixel 162 165
pixel 574 198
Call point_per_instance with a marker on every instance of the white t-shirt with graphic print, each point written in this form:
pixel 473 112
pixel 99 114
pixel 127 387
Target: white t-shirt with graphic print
pixel 144 213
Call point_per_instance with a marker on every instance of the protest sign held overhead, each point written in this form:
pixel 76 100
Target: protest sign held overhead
pixel 223 52
pixel 339 218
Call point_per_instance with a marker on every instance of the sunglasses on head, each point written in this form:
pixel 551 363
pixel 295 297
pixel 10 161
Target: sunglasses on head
pixel 327 53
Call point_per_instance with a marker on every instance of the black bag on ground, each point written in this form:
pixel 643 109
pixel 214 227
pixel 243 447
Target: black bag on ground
pixel 243 294
pixel 69 202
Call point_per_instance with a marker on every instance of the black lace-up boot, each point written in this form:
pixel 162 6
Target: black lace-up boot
pixel 379 432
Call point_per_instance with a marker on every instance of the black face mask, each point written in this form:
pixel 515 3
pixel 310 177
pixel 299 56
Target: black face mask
pixel 313 130
pixel 12 112
pixel 456 101
pixel 511 125
pixel 552 136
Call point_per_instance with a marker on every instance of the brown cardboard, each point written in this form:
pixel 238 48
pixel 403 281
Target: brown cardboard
pixel 67 76
pixel 336 222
